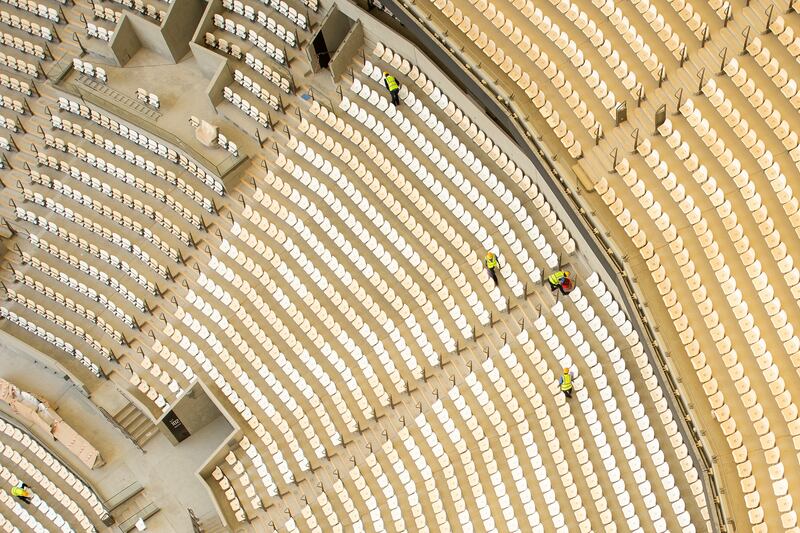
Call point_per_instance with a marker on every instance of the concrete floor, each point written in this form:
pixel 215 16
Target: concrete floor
pixel 161 470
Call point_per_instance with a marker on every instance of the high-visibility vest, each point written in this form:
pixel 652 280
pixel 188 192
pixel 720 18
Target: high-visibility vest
pixel 19 491
pixel 391 82
pixel 492 263
pixel 555 277
pixel 566 382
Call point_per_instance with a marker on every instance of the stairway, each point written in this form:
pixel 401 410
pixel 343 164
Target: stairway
pixel 135 424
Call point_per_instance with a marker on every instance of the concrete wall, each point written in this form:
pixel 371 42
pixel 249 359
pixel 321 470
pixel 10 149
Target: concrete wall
pixel 221 78
pixel 179 26
pixel 343 57
pixel 170 40
pixel 208 60
pixel 149 34
pixel 206 22
pixel 125 42
pixel 196 411
pixel 335 27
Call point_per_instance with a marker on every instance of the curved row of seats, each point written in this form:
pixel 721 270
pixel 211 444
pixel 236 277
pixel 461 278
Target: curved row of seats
pixel 75 505
pixel 50 337
pixel 466 404
pixel 143 140
pixel 124 176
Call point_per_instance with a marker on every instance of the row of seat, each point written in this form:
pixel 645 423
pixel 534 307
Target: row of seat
pixel 148 98
pixel 146 232
pixel 618 486
pixel 413 226
pixel 84 67
pixel 99 32
pixel 249 109
pixel 486 144
pixel 126 177
pixel 15 85
pixel 148 10
pixel 219 380
pixel 298 317
pixel 55 340
pixel 239 30
pixel 82 288
pixel 643 426
pixel 273 26
pixel 765 109
pixel 753 199
pixel 96 228
pixel 100 208
pixel 344 307
pixel 298 19
pixel 176 384
pixel 652 385
pixel 227 144
pixel 356 289
pixel 26 25
pixel 496 54
pixel 461 152
pixel 458 209
pixel 568 46
pixel 75 307
pixel 35 8
pixel 229 491
pixel 786 35
pixel 427 210
pixel 31 69
pixel 10 124
pixel 6 524
pixel 142 140
pixel 105 13
pixel 686 334
pixel 151 393
pixel 92 271
pixel 649 12
pixel 766 293
pixel 6 102
pixel 772 68
pixel 387 230
pixel 245 81
pixel 128 155
pixel 272 75
pixel 94 250
pixel 253 392
pixel 172 359
pixel 689 16
pixel 16 508
pixel 19 435
pixel 22 45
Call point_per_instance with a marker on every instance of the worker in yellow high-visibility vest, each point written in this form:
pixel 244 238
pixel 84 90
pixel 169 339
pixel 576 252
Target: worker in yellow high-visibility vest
pixel 565 383
pixel 393 86
pixel 492 263
pixel 556 279
pixel 21 492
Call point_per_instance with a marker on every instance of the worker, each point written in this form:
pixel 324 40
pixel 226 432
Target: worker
pixel 21 492
pixel 393 86
pixel 566 383
pixel 492 264
pixel 557 280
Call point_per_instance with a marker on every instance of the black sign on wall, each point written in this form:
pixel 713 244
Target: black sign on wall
pixel 176 427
